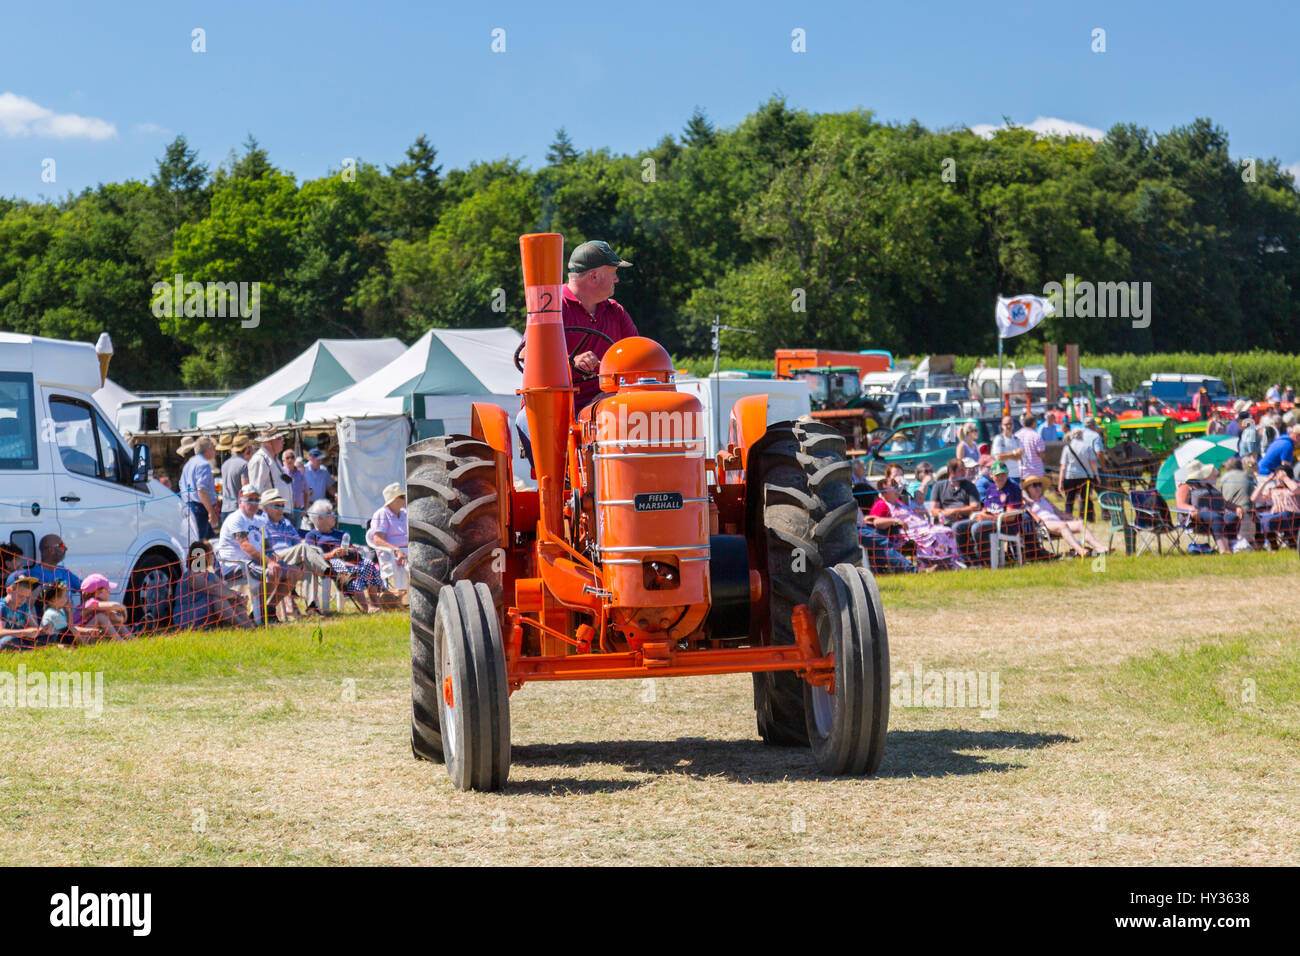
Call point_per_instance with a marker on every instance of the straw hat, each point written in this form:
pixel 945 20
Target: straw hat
pixel 1199 470
pixel 239 443
pixel 393 492
pixel 273 497
pixel 269 434
pixel 223 443
pixel 1033 480
pixel 187 445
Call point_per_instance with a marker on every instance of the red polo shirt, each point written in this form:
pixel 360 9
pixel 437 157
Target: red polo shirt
pixel 610 318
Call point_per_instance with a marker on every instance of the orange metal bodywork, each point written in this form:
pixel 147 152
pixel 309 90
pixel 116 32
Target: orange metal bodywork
pixel 791 360
pixel 608 568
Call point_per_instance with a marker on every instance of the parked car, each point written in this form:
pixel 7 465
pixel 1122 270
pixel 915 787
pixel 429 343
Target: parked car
pixel 1175 390
pixel 65 470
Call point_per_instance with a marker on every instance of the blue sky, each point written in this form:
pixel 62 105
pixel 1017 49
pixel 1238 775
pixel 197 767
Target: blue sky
pixel 100 88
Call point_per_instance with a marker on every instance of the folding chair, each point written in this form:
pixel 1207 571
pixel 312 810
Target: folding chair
pixel 1111 504
pixel 1152 522
pixel 1191 533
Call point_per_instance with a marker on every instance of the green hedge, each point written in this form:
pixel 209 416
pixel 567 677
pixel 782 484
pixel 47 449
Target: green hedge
pixel 1255 371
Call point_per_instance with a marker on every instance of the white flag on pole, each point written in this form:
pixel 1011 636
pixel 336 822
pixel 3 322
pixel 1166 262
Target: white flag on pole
pixel 1018 314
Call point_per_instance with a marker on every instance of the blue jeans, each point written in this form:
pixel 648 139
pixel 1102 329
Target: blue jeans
pixel 200 514
pixel 881 554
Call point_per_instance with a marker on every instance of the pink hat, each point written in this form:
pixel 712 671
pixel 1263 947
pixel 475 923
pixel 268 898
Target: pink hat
pixel 93 583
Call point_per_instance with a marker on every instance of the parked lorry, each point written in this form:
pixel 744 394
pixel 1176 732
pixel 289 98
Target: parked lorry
pixel 788 361
pixel 65 470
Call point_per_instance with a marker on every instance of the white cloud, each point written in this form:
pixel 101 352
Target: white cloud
pixel 1294 170
pixel 1044 126
pixel 150 128
pixel 19 116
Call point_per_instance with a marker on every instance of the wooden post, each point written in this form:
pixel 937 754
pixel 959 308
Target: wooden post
pixel 1050 360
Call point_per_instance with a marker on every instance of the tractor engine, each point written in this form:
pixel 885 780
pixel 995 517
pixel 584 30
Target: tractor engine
pixel 649 496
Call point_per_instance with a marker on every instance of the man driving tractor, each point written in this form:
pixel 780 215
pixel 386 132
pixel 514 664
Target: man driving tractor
pixel 587 303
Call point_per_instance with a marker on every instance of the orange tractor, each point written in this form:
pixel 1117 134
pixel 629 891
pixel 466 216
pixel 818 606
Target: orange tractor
pixel 637 556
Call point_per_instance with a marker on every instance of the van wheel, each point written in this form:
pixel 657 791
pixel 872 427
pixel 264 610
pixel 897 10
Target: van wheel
pixel 149 594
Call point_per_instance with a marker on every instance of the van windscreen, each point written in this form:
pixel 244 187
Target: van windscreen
pixel 17 422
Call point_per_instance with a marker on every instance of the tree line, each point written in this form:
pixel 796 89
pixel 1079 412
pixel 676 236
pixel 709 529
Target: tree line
pixel 827 230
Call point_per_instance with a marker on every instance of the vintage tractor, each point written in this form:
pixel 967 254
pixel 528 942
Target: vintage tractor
pixel 636 557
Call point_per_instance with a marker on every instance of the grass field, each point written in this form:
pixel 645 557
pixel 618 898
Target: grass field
pixel 1147 711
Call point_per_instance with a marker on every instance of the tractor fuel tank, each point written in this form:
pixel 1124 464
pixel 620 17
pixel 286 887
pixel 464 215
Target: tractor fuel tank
pixel 652 504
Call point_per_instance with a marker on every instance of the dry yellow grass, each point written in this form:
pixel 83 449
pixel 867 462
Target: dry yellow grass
pixel 1121 737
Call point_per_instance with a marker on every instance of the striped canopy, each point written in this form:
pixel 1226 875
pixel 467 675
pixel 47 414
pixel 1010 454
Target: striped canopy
pixel 1213 450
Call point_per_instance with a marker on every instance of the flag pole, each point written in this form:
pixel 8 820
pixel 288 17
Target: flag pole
pixel 1001 397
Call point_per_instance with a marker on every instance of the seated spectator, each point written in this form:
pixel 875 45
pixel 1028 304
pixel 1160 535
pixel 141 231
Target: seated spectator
pixel 1002 498
pixel 922 484
pixel 239 549
pixel 859 473
pixel 879 552
pixel 11 559
pixel 53 608
pixel 202 599
pixel 1282 520
pixel 981 479
pixel 1045 513
pixel 893 476
pixel 388 536
pixel 935 544
pixel 20 628
pixel 1205 507
pixel 952 503
pixel 1236 484
pixel 1214 424
pixel 355 574
pixel 51 567
pixel 290 550
pixel 100 611
pixel 1280 452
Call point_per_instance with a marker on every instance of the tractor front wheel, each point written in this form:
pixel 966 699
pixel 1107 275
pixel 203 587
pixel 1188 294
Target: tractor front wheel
pixel 847 727
pixel 474 700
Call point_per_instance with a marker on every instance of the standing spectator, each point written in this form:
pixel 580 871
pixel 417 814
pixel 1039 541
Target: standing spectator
pixel 1081 468
pixel 1034 446
pixel 968 446
pixel 264 471
pixel 1280 453
pixel 198 489
pixel 1214 424
pixel 234 471
pixel 297 499
pixel 1248 441
pixel 1274 393
pixel 1233 428
pixel 1201 403
pixel 1007 448
pixel 1049 430
pixel 1289 394
pixel 1150 407
pixel 953 501
pixel 320 484
pixel 388 535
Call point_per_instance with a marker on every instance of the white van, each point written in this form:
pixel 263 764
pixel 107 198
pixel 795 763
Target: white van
pixel 65 470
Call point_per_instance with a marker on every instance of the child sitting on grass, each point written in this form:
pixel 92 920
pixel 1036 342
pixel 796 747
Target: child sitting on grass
pixel 99 610
pixel 52 608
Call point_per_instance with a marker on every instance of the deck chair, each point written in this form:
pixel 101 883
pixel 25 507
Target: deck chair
pixel 1112 505
pixel 1152 522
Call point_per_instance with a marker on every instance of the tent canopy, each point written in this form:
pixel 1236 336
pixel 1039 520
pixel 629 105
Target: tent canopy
pixel 110 398
pixel 464 362
pixel 326 367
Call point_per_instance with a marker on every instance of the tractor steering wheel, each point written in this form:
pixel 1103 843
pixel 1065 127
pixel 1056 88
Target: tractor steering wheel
pixel 576 350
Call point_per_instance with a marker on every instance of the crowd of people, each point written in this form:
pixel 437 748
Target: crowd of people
pixel 1000 491
pixel 266 546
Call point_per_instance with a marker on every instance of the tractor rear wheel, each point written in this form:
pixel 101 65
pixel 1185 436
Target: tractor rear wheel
pixel 808 521
pixel 847 728
pixel 474 700
pixel 455 531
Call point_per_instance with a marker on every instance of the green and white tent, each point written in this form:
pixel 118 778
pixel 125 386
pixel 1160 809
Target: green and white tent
pixel 435 380
pixel 327 367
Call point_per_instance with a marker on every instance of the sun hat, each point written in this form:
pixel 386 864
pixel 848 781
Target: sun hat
pixel 393 492
pixel 239 443
pixel 269 434
pixel 1199 470
pixel 187 445
pixel 223 443
pixel 273 497
pixel 1033 480
pixel 17 577
pixel 92 583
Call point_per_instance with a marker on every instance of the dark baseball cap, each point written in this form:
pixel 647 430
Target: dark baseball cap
pixel 592 255
pixel 1242 415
